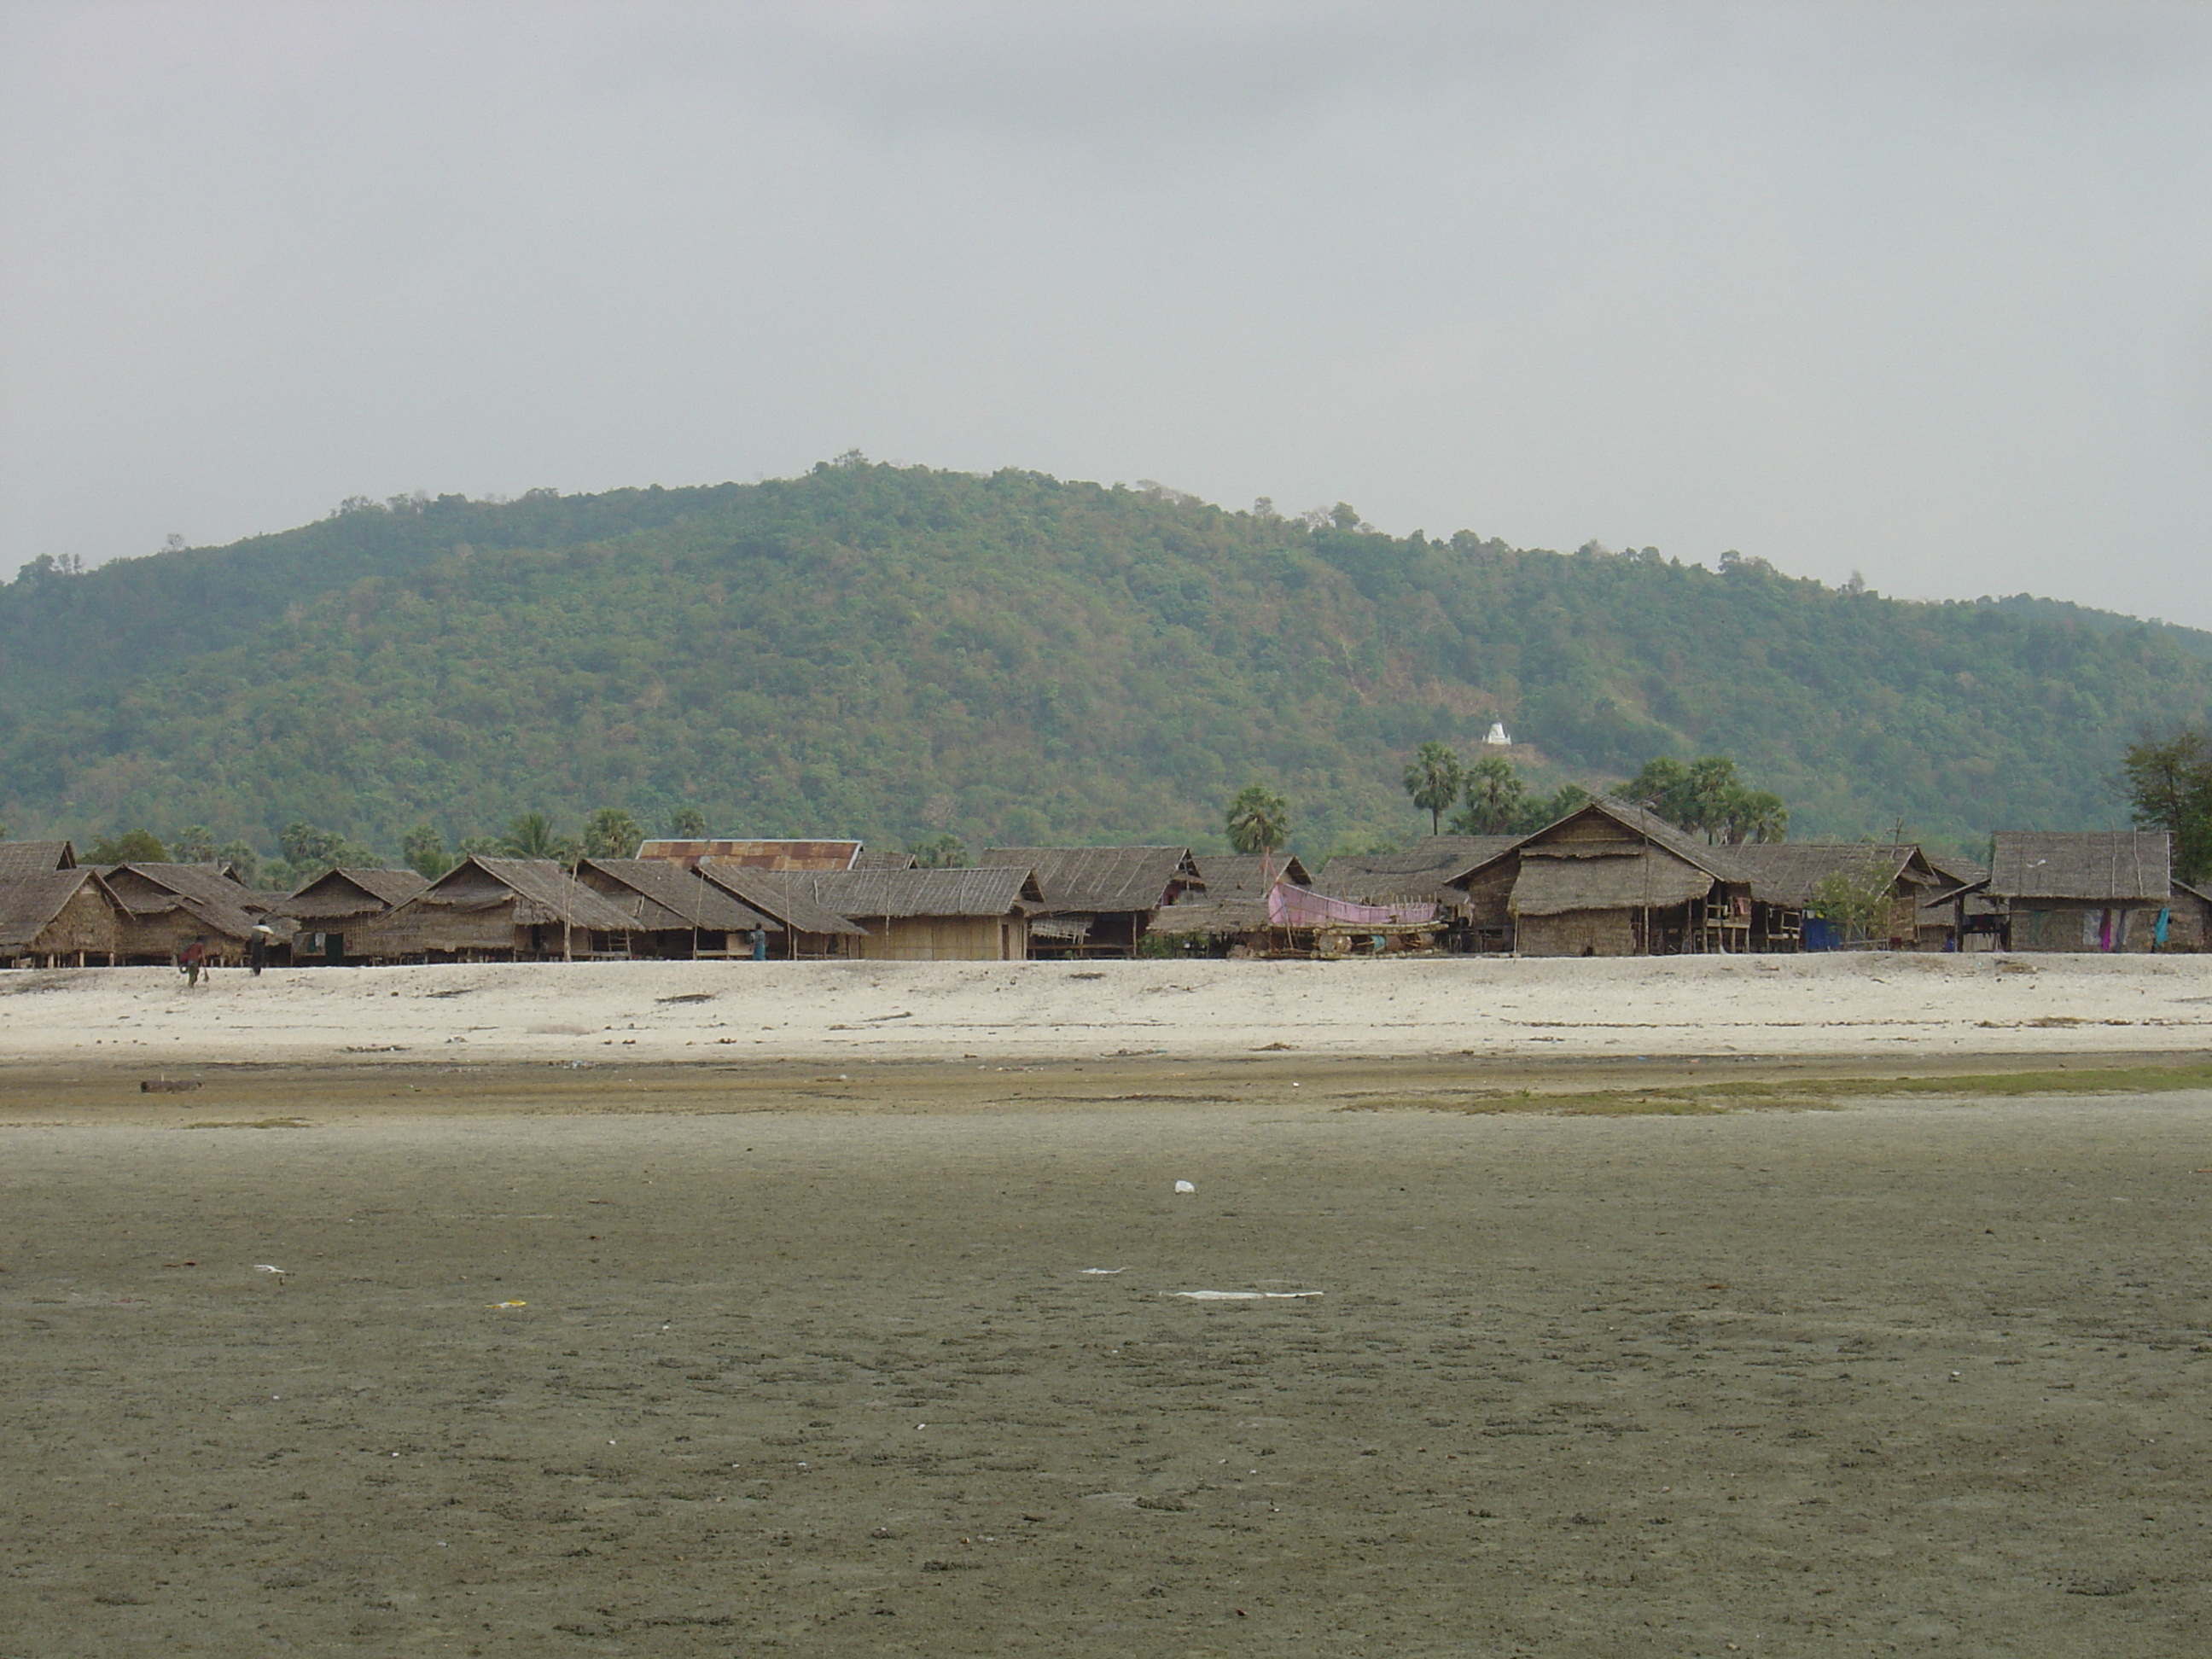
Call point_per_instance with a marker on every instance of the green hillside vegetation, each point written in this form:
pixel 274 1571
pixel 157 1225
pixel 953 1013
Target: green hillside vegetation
pixel 914 655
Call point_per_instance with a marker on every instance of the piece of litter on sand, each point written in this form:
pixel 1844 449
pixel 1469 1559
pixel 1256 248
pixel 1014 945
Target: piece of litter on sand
pixel 1243 1296
pixel 512 1304
pixel 1185 1187
pixel 1105 1270
pixel 269 1267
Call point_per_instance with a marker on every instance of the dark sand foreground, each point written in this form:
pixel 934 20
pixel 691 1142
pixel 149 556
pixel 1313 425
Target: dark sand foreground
pixel 815 1367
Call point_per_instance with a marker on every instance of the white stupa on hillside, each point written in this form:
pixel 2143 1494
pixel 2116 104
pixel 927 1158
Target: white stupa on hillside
pixel 1497 735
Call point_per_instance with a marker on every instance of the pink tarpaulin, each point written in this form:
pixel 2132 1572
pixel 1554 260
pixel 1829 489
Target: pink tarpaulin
pixel 1297 907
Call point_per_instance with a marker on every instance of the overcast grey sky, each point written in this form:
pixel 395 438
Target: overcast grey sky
pixel 1923 290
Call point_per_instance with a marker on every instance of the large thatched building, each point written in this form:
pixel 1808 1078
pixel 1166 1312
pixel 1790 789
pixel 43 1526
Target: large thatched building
pixel 488 909
pixel 1614 880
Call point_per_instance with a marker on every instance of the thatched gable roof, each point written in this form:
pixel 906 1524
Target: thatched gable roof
pixel 29 903
pixel 1608 855
pixel 1956 872
pixel 1639 876
pixel 791 911
pixel 541 892
pixel 661 895
pixel 35 857
pixel 755 855
pixel 1231 876
pixel 2095 866
pixel 351 891
pixel 1096 878
pixel 1007 891
pixel 202 890
pixel 1786 872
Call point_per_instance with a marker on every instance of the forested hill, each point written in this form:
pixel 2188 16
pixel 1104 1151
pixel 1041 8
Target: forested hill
pixel 899 652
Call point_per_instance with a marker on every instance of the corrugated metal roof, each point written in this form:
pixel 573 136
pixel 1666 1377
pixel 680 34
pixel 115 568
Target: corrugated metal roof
pixel 760 854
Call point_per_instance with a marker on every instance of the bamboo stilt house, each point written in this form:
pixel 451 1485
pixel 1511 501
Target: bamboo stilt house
pixel 1787 876
pixel 489 909
pixel 674 912
pixel 58 919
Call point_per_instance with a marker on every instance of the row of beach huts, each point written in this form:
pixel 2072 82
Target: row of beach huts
pixel 1606 880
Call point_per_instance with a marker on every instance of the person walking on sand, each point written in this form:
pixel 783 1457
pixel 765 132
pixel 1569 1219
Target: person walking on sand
pixel 257 951
pixel 189 960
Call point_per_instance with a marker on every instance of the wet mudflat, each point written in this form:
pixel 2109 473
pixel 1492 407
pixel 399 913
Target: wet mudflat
pixel 818 1367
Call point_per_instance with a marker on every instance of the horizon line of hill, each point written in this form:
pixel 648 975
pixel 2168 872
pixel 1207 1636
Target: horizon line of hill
pixel 911 654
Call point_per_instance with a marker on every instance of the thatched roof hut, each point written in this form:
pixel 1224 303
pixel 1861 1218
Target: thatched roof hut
pixel 674 911
pixel 491 909
pixel 928 915
pixel 320 917
pixel 805 928
pixel 35 857
pixel 344 892
pixel 58 918
pixel 165 906
pixel 2083 890
pixel 1233 876
pixel 1098 901
pixel 2096 866
pixel 1614 879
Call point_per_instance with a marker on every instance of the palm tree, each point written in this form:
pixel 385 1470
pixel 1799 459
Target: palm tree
pixel 611 833
pixel 1433 778
pixel 1258 820
pixel 531 836
pixel 1494 794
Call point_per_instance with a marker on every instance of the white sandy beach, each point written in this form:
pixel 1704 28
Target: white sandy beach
pixel 1874 1006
